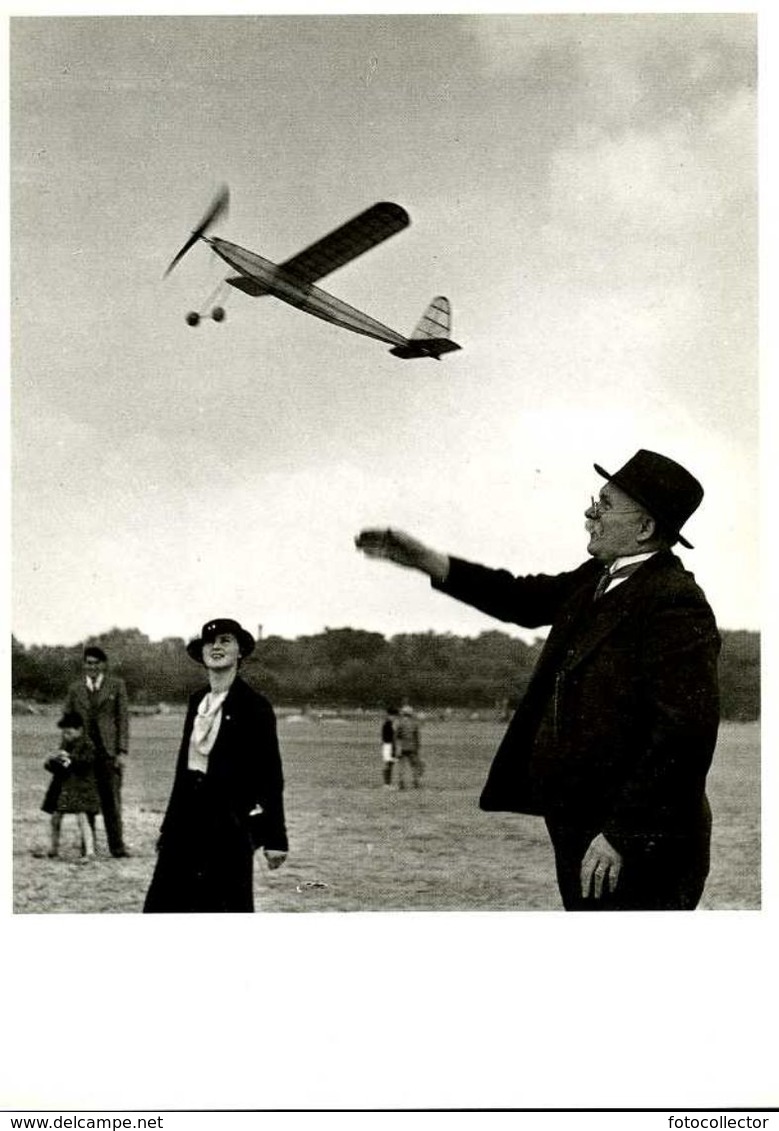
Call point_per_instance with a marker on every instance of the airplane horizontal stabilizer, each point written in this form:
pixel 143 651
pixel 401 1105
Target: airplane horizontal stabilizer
pixel 427 347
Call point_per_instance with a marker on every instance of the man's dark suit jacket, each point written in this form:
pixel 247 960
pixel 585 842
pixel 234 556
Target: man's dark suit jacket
pixel 207 838
pixel 108 709
pixel 618 726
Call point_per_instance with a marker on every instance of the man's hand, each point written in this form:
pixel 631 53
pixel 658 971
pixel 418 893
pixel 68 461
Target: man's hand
pixel 399 547
pixel 274 858
pixel 601 865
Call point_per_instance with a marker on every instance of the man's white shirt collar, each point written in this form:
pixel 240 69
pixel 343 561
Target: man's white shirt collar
pixel 631 559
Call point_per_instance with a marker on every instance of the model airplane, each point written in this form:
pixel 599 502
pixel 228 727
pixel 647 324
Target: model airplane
pixel 292 281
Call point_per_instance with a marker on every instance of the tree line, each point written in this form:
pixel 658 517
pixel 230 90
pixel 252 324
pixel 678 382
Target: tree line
pixel 347 667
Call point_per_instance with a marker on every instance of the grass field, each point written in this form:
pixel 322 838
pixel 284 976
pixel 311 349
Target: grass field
pixel 355 846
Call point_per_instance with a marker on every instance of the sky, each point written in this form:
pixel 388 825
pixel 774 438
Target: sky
pixel 582 188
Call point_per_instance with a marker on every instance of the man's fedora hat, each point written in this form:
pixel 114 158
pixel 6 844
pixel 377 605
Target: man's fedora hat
pixel 663 488
pixel 214 628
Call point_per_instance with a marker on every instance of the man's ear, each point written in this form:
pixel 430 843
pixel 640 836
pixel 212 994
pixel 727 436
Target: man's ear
pixel 648 529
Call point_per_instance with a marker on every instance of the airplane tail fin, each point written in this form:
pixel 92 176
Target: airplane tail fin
pixel 436 322
pixel 431 337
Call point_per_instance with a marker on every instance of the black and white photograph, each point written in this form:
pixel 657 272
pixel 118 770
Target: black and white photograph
pixel 385 492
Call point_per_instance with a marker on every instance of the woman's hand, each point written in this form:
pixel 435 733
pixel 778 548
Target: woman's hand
pixel 273 858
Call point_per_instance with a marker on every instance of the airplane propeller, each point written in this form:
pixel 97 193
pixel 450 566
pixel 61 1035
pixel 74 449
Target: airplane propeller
pixel 218 207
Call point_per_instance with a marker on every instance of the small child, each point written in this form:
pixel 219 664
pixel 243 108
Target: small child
pixel 73 788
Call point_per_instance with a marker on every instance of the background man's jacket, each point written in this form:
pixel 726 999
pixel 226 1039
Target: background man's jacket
pixel 108 710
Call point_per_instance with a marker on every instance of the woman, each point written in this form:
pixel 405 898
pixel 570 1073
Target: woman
pixel 227 796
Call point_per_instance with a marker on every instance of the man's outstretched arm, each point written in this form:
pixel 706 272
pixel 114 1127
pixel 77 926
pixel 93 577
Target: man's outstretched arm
pixel 396 546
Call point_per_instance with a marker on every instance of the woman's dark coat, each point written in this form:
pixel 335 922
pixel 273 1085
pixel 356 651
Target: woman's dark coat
pixel 617 728
pixel 207 839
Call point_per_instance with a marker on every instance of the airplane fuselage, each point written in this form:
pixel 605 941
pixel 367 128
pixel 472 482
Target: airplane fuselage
pixel 270 278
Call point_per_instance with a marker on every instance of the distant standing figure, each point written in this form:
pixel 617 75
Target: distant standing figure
pixel 101 700
pixel 73 788
pixel 227 796
pixel 407 747
pixel 388 745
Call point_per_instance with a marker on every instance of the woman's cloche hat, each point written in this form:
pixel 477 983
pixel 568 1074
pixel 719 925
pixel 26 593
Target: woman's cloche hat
pixel 213 628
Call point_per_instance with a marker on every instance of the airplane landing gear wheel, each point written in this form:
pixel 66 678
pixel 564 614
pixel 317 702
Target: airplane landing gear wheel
pixel 193 318
pixel 218 314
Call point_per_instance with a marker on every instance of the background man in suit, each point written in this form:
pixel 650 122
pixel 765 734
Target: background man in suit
pixel 615 734
pixel 101 700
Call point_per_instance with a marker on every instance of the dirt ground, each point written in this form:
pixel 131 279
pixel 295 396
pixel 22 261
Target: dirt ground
pixel 355 846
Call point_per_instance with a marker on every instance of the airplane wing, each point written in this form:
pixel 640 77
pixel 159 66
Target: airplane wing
pixel 347 242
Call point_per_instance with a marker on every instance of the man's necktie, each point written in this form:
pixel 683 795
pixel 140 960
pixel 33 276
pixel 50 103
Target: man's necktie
pixel 606 578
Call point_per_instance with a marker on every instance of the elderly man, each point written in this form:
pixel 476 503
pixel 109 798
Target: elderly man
pixel 615 735
pixel 101 700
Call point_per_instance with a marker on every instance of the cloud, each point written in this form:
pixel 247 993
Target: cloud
pixel 661 185
pixel 619 68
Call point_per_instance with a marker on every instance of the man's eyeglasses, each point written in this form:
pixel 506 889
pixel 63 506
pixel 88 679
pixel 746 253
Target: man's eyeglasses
pixel 602 506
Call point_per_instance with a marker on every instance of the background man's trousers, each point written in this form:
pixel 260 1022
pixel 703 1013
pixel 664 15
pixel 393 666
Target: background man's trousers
pixel 109 787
